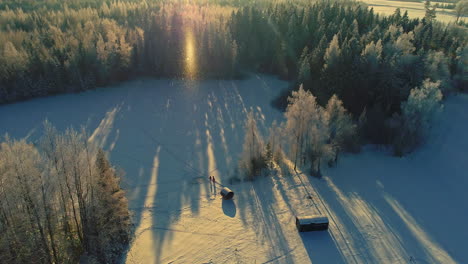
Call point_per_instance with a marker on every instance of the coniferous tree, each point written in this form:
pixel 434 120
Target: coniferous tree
pixel 252 158
pixel 430 14
pixel 332 67
pixel 340 124
pixel 112 218
pixel 417 114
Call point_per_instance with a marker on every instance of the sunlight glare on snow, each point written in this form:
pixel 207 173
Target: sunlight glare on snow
pixel 341 236
pixel 433 250
pixel 140 250
pixel 190 58
pixel 382 243
pixel 211 157
pixel 101 133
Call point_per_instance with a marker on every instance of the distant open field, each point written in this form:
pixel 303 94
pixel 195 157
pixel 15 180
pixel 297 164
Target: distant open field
pixel 415 9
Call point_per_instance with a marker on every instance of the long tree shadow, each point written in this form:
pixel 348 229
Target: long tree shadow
pixel 259 201
pixel 346 248
pixel 320 247
pixel 394 219
pixel 192 146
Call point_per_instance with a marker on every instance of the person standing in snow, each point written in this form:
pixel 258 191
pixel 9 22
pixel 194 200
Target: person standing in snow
pixel 214 185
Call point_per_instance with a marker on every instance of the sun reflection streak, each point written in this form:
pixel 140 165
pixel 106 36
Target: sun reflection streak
pixel 190 55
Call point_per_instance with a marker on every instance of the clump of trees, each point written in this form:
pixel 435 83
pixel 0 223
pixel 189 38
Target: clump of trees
pixel 310 134
pixel 78 45
pixel 315 133
pixel 417 114
pixel 60 199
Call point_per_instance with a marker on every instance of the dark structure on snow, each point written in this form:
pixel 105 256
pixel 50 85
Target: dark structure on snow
pixel 311 223
pixel 227 193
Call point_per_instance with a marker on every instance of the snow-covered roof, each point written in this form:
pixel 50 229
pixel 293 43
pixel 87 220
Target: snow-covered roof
pixel 312 219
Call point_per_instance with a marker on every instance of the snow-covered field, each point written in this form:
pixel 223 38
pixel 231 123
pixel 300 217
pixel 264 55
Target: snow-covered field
pixel 415 9
pixel 169 136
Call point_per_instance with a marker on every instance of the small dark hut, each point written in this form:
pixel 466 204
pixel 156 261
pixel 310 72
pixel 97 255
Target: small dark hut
pixel 311 223
pixel 227 193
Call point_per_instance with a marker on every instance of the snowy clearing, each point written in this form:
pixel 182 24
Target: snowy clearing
pixel 415 9
pixel 169 136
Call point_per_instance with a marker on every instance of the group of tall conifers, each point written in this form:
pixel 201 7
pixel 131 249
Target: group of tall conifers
pixel 369 61
pixel 60 200
pixel 324 45
pixel 390 73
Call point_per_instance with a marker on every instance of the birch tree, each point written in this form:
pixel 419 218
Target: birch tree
pixel 48 210
pixel 305 127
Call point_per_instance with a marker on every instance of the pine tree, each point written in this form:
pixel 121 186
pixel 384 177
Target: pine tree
pixel 417 114
pixel 404 43
pixel 111 230
pixel 332 68
pixel 332 53
pixel 304 67
pixel 430 14
pixel 252 159
pixel 341 127
pixel 437 68
pixel 372 54
pixel 275 142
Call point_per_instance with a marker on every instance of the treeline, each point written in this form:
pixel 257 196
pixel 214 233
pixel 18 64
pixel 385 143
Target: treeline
pixel 78 45
pixel 313 135
pixel 448 1
pixel 60 201
pixel 50 51
pixel 445 6
pixel 370 62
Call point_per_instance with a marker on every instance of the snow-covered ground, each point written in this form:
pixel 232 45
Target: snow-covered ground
pixel 169 136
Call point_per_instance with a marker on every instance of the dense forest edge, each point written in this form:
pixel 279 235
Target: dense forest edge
pixel 60 201
pixel 370 62
pixel 76 46
pixel 356 77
